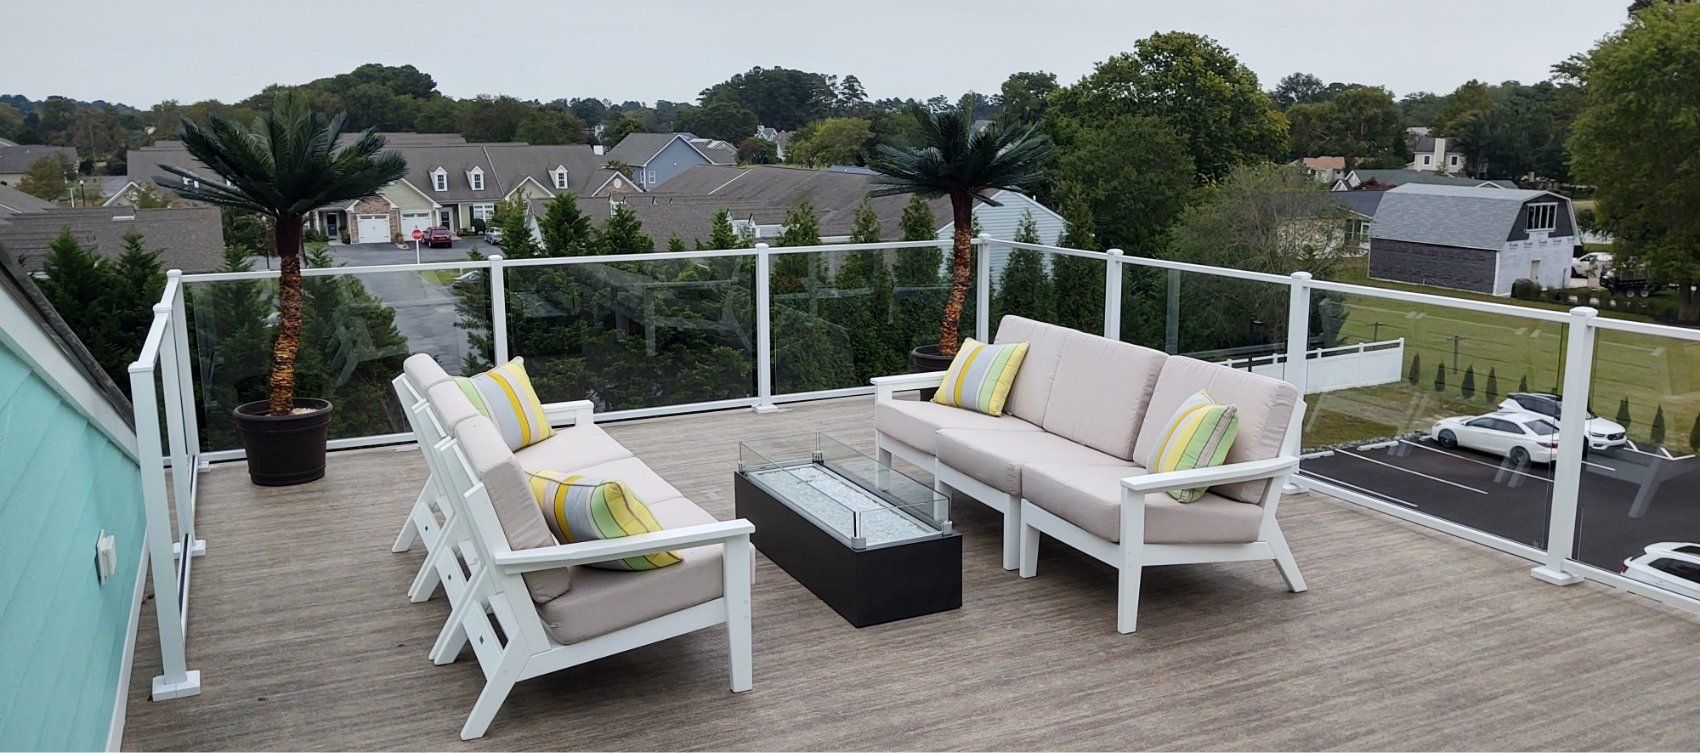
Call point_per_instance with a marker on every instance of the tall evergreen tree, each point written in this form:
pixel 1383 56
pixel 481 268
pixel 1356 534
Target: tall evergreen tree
pixel 864 289
pixel 1079 283
pixel 137 282
pixel 623 234
pixel 566 230
pixel 517 239
pixel 919 290
pixel 1656 432
pixel 721 234
pixel 1024 288
pixel 795 272
pixel 79 284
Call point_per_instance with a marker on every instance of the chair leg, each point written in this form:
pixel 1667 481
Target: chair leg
pixel 1012 535
pixel 738 578
pixel 450 640
pixel 1029 551
pixel 490 701
pixel 1284 561
pixel 1127 597
pixel 409 532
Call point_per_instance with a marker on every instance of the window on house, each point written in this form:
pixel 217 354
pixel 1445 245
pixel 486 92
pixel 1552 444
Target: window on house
pixel 1453 160
pixel 560 177
pixel 483 211
pixel 649 176
pixel 476 178
pixel 1357 233
pixel 440 180
pixel 1427 159
pixel 1543 217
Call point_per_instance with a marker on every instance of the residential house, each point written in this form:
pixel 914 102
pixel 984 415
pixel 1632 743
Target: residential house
pixel 655 158
pixel 1471 238
pixel 144 165
pixel 16 159
pixel 781 139
pixel 1361 206
pixel 1322 169
pixel 1437 154
pixel 1381 180
pixel 718 152
pixel 13 201
pixel 186 238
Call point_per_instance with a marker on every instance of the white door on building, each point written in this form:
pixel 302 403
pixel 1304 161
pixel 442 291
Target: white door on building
pixel 411 221
pixel 374 228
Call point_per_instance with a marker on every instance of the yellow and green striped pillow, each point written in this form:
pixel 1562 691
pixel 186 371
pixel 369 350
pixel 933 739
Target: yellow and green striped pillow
pixel 584 508
pixel 980 376
pixel 1198 435
pixel 504 396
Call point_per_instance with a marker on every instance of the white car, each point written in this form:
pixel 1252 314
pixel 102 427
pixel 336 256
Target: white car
pixel 1519 437
pixel 1590 263
pixel 1671 565
pixel 1602 433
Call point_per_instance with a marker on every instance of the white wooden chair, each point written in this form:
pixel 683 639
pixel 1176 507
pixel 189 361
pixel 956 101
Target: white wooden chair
pixel 431 520
pixel 527 647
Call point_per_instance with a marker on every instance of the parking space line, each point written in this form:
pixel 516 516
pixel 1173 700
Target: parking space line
pixel 1355 487
pixel 1474 460
pixel 1349 453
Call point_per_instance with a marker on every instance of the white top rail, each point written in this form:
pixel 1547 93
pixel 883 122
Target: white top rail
pixel 1646 328
pixel 271 274
pixel 1059 250
pixel 149 354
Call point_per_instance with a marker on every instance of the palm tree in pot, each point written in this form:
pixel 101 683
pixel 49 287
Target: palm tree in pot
pixel 953 161
pixel 283 166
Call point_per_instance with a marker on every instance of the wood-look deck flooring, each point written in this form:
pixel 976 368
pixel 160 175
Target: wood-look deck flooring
pixel 1408 639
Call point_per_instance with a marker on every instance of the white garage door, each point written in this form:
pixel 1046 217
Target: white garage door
pixel 374 228
pixel 414 221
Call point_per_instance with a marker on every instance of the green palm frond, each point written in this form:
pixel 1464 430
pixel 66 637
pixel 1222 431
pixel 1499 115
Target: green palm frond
pixel 952 160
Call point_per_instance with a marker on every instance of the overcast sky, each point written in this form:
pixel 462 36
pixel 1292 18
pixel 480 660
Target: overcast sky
pixel 189 50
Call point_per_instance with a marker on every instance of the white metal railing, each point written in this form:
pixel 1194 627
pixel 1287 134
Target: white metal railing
pixel 170 540
pixel 167 349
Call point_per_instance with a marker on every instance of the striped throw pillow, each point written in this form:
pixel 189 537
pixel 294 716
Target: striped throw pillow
pixel 1198 435
pixel 584 508
pixel 504 396
pixel 980 376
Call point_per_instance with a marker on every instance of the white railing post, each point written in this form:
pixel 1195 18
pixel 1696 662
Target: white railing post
pixel 498 310
pixel 983 287
pixel 764 331
pixel 1172 315
pixel 176 679
pixel 186 371
pixel 1297 369
pixel 1113 294
pixel 182 463
pixel 1573 438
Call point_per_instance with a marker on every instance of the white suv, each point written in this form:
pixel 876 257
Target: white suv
pixel 1670 565
pixel 1602 433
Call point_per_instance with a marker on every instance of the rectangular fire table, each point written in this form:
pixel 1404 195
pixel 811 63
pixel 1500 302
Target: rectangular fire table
pixel 871 542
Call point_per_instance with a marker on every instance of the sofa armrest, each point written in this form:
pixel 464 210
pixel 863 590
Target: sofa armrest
pixel 586 552
pixel 582 412
pixel 885 386
pixel 1233 473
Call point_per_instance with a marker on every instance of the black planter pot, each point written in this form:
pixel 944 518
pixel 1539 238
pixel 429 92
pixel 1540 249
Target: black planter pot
pixel 284 450
pixel 926 358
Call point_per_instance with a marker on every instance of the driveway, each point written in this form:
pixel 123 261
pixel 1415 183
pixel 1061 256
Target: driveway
pixel 379 254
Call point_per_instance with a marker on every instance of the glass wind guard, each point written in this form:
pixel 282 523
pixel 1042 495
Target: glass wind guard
pixel 842 490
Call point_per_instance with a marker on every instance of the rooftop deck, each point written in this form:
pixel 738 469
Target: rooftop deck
pixel 1408 639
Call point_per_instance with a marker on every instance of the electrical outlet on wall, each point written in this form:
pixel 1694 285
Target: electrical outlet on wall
pixel 106 555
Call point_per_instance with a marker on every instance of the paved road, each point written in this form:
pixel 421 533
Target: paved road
pixel 1628 498
pixel 423 302
pixel 377 254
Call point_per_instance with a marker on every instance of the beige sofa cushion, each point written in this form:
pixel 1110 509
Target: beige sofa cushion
pixel 995 457
pixel 915 423
pixel 510 494
pixel 1089 496
pixel 572 448
pixel 1265 406
pixel 1100 393
pixel 602 601
pixel 1032 388
pixel 422 370
pixel 647 484
pixel 451 405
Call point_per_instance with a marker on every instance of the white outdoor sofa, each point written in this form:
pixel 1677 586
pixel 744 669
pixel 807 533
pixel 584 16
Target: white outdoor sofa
pixel 529 606
pixel 1068 457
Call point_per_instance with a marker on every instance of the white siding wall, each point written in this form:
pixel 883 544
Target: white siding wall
pixel 1516 258
pixel 1001 222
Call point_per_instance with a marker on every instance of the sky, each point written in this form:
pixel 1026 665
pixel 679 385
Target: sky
pixel 190 50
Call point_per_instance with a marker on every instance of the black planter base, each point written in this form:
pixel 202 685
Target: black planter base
pixel 284 450
pixel 927 359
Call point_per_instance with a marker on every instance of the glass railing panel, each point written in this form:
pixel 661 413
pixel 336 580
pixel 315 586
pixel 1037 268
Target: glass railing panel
pixel 1047 286
pixel 1242 323
pixel 1407 406
pixel 841 318
pixel 1639 487
pixel 637 334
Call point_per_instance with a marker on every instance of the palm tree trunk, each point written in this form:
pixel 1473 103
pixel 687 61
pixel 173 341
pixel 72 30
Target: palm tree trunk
pixel 961 268
pixel 288 235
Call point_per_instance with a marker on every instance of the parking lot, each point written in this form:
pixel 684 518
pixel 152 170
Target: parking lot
pixel 1630 496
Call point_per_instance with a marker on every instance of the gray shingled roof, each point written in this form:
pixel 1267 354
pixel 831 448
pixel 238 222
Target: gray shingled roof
pixel 13 201
pixel 17 159
pixel 143 164
pixel 638 149
pixel 1362 202
pixel 187 238
pixel 1461 216
pixel 1402 177
pixel 835 193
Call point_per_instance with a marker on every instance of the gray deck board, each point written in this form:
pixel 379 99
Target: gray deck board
pixel 1408 639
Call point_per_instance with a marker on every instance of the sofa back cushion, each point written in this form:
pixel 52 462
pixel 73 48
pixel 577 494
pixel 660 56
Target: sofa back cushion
pixel 422 370
pixel 1100 392
pixel 1032 387
pixel 510 494
pixel 1264 405
pixel 451 405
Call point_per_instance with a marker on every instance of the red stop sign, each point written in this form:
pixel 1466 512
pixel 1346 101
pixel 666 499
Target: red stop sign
pixel 417 234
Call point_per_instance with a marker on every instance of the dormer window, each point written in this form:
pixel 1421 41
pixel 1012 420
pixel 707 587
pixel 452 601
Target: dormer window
pixel 1543 217
pixel 439 179
pixel 560 175
pixel 475 176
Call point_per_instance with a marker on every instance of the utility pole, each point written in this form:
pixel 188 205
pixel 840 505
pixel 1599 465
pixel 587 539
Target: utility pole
pixel 1456 339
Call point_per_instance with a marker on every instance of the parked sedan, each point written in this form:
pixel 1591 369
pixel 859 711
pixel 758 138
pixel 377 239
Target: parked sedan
pixel 1518 437
pixel 1602 433
pixel 439 237
pixel 1670 565
pixel 1590 263
pixel 493 235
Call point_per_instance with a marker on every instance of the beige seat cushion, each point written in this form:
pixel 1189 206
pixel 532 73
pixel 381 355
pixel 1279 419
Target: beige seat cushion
pixel 915 423
pixel 422 370
pixel 602 601
pixel 1089 496
pixel 995 457
pixel 510 495
pixel 647 484
pixel 1032 387
pixel 1264 405
pixel 450 403
pixel 1102 386
pixel 572 448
